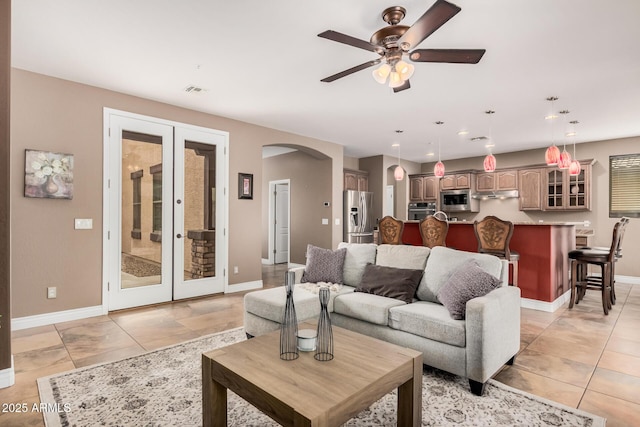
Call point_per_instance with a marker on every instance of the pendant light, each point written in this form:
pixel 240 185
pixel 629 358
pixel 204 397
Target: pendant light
pixel 575 167
pixel 489 161
pixel 565 158
pixel 552 156
pixel 398 173
pixel 438 169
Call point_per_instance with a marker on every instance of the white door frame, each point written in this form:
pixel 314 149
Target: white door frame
pixel 111 209
pixel 272 237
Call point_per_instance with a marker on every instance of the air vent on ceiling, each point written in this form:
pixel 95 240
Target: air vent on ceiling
pixel 194 89
pixel 479 138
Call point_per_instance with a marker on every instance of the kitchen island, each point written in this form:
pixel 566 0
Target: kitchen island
pixel 543 275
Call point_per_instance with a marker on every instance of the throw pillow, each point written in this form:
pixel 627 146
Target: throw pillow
pixel 468 281
pixel 398 283
pixel 323 265
pixel 356 259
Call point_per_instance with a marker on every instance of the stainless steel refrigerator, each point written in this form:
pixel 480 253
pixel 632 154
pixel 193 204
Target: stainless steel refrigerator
pixel 358 216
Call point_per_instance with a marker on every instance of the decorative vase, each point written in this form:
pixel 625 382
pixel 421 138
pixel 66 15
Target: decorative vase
pixel 289 327
pixel 324 346
pixel 49 186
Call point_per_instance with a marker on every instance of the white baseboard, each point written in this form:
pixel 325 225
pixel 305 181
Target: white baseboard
pixel 55 317
pixel 266 261
pixel 7 376
pixel 294 265
pixel 245 286
pixel 549 307
pixel 631 280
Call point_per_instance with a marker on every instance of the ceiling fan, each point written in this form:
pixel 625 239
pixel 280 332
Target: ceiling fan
pixel 393 43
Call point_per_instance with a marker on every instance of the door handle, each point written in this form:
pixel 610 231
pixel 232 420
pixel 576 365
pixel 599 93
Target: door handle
pixel 179 236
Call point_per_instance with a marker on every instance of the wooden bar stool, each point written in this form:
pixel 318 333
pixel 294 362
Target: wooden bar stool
pixel 391 230
pixel 605 258
pixel 433 231
pixel 494 235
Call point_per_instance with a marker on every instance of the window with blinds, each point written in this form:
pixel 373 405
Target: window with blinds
pixel 624 186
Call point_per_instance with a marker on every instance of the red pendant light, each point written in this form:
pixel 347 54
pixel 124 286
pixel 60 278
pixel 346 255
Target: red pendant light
pixel 552 155
pixel 438 169
pixel 489 163
pixel 565 160
pixel 398 173
pixel 575 167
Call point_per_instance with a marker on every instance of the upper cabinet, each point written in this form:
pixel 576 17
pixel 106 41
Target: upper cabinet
pixel 566 192
pixel 495 181
pixel 356 180
pixel 458 181
pixel 423 188
pixel 530 189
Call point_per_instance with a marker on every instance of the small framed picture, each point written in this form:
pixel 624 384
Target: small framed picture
pixel 245 186
pixel 48 175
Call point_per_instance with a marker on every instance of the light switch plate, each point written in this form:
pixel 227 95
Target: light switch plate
pixel 83 224
pixel 325 221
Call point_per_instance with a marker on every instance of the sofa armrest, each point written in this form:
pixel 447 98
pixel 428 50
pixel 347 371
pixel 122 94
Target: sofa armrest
pixel 492 331
pixel 298 271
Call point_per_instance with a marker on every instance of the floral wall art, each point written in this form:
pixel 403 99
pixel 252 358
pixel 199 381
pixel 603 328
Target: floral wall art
pixel 48 175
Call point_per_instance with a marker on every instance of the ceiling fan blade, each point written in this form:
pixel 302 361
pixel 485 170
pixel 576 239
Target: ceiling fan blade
pixel 350 71
pixel 453 56
pixel 405 85
pixel 351 41
pixel 433 18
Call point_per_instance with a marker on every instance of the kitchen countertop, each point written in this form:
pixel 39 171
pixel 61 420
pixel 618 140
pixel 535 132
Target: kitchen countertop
pixel 516 223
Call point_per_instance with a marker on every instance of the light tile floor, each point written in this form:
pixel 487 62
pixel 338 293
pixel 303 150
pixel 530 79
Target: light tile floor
pixel 577 357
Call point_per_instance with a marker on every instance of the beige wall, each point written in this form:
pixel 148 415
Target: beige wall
pixel 310 186
pixel 599 215
pixel 62 116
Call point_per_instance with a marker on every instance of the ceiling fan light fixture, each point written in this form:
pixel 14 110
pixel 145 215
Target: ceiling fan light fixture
pixel 395 80
pixel 405 70
pixel 381 73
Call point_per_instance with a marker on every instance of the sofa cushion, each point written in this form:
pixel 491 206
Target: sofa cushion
pixel 323 265
pixel 399 283
pixel 368 307
pixel 467 282
pixel 402 256
pixel 357 257
pixel 269 303
pixel 429 320
pixel 443 262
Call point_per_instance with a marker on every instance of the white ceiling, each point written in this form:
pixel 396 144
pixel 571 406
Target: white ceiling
pixel 261 62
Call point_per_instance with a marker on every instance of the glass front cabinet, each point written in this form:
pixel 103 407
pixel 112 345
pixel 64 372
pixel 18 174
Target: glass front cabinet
pixel 566 192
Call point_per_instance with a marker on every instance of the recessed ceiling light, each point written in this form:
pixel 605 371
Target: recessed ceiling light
pixel 431 154
pixel 551 116
pixel 463 132
pixel 489 145
pixel 395 145
pixel 570 134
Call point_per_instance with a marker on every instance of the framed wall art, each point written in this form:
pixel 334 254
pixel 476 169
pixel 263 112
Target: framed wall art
pixel 245 186
pixel 48 175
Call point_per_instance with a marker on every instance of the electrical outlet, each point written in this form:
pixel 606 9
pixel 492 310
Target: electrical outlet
pixel 52 292
pixel 235 269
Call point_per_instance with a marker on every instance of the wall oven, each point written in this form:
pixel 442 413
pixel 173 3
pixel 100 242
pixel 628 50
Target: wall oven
pixel 418 211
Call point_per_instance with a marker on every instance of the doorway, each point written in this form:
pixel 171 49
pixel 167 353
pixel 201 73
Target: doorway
pixel 279 221
pixel 165 210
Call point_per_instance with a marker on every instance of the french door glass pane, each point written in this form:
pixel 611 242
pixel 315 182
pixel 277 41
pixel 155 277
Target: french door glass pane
pixel 141 248
pixel 199 210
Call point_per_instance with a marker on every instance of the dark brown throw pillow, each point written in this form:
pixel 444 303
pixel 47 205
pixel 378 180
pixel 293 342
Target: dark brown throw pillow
pixel 323 265
pixel 468 281
pixel 398 283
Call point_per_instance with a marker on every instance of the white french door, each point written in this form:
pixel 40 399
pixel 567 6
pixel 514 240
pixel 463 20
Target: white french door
pixel 165 210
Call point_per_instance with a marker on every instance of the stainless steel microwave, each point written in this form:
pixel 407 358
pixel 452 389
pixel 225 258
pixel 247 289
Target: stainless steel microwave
pixel 458 201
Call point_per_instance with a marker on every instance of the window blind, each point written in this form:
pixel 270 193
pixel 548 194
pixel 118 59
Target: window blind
pixel 624 186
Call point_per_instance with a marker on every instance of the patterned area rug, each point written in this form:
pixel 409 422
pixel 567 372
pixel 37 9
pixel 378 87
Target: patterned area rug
pixel 163 388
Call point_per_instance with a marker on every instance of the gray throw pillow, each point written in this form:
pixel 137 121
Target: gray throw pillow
pixel 468 281
pixel 323 265
pixel 398 283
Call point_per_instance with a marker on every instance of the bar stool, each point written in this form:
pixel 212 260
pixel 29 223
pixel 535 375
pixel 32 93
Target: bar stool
pixel 494 235
pixel 391 230
pixel 605 258
pixel 433 231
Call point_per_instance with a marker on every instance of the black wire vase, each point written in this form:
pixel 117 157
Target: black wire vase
pixel 324 346
pixel 289 327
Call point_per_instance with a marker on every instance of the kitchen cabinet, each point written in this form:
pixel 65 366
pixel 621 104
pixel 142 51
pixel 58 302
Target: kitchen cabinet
pixel 458 181
pixel 423 188
pixel 566 192
pixel 497 181
pixel 356 180
pixel 530 189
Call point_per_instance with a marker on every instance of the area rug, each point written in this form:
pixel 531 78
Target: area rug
pixel 163 388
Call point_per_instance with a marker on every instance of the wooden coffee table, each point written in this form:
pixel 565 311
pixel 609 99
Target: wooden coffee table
pixel 306 392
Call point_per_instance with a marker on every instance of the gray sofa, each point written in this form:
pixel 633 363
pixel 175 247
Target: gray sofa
pixel 475 347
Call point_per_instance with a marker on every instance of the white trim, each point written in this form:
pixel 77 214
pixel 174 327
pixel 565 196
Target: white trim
pixel 266 261
pixel 629 280
pixel 294 265
pixel 55 317
pixel 549 307
pixel 8 376
pixel 244 286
